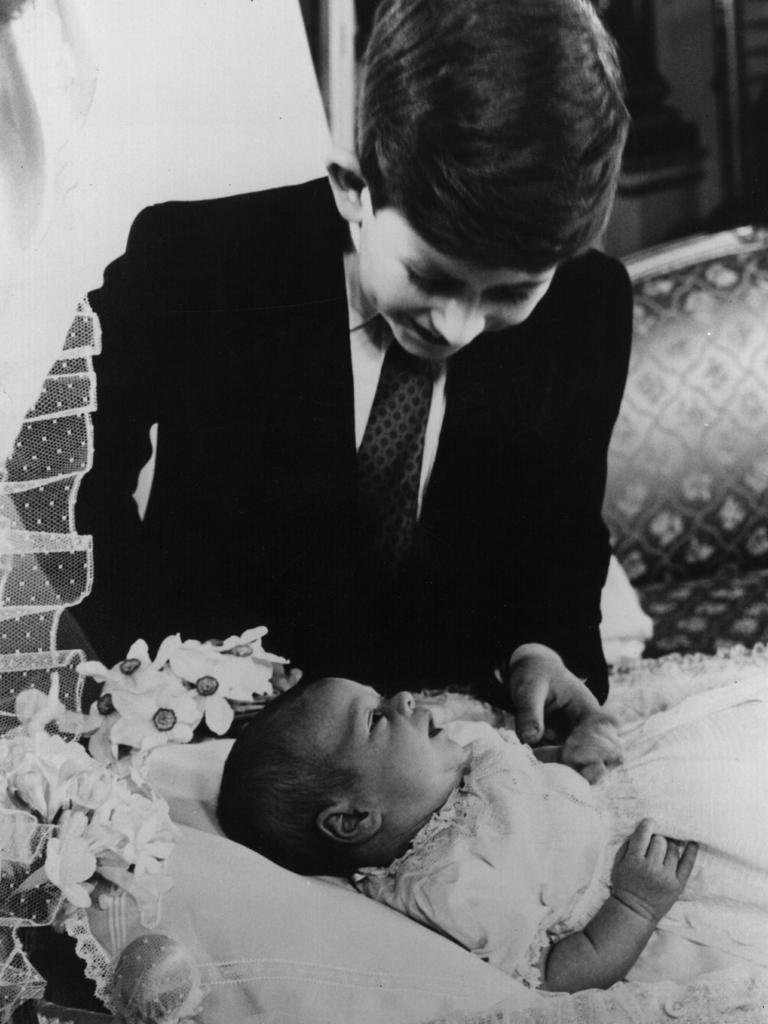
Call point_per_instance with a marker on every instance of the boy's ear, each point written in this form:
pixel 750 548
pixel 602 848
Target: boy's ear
pixel 347 183
pixel 345 824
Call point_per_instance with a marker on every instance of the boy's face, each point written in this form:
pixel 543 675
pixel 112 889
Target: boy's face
pixel 406 768
pixel 435 304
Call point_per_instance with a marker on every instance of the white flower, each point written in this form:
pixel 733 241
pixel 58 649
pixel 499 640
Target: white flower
pixel 214 707
pixel 166 714
pixel 91 788
pixel 38 770
pixel 145 834
pixel 136 673
pixel 137 837
pixel 69 860
pixel 35 710
pixel 99 725
pixel 234 669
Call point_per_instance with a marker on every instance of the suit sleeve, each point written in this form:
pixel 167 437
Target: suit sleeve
pixel 566 486
pixel 129 375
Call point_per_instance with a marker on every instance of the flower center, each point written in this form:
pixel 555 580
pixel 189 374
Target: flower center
pixel 164 719
pixel 105 705
pixel 129 666
pixel 206 686
pixel 240 651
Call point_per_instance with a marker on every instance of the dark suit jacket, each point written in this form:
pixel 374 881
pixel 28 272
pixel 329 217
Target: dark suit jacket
pixel 226 323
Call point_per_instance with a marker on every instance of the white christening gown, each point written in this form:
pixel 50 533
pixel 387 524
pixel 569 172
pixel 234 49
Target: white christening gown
pixel 521 853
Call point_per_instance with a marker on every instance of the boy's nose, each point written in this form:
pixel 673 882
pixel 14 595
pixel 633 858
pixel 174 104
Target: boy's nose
pixel 404 702
pixel 458 322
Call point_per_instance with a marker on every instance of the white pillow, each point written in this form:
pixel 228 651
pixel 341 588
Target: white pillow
pixel 272 945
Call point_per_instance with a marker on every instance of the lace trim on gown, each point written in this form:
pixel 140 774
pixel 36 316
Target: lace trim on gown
pixel 97 963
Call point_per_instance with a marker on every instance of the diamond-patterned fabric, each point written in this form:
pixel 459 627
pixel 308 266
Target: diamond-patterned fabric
pixel 389 460
pixel 707 615
pixel 688 467
pixel 687 493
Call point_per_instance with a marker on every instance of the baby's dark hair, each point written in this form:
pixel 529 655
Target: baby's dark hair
pixel 495 127
pixel 274 785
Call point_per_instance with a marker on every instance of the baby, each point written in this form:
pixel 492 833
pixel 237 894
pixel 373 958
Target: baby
pixel 522 862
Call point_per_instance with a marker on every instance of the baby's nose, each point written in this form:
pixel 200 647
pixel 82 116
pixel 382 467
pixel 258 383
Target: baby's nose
pixel 404 702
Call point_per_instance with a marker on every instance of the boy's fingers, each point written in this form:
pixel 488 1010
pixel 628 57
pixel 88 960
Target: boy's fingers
pixel 594 771
pixel 687 861
pixel 528 699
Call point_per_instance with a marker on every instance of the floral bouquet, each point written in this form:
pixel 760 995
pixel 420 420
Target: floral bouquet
pixel 80 827
pixel 146 702
pixel 71 828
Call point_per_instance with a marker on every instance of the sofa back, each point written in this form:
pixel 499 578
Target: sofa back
pixel 687 491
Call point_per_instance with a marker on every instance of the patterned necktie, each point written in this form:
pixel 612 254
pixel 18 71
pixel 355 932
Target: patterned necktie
pixel 389 461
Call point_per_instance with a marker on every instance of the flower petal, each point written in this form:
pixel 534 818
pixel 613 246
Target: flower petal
pixel 218 715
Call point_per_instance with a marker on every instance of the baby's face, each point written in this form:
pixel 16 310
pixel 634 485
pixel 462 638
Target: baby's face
pixel 406 766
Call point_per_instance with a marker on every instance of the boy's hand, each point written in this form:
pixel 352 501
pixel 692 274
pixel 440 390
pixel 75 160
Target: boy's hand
pixel 593 746
pixel 651 871
pixel 543 693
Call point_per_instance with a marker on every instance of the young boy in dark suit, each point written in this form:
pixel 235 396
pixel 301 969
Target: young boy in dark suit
pixel 384 408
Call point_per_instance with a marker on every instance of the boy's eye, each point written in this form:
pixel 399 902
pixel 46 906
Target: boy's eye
pixel 429 285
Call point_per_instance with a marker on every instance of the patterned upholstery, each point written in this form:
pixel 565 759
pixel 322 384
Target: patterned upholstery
pixel 687 495
pixel 708 614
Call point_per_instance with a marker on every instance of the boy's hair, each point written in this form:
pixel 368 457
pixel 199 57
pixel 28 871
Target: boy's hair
pixel 495 127
pixel 275 782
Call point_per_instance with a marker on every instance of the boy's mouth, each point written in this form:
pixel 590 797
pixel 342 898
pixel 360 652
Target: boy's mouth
pixel 427 336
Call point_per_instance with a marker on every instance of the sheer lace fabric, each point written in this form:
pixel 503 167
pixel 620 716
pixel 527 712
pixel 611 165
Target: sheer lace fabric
pixel 45 566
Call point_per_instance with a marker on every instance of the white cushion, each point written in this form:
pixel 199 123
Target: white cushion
pixel 272 942
pixel 625 627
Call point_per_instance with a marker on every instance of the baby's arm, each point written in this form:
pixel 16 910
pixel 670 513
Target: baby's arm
pixel 648 877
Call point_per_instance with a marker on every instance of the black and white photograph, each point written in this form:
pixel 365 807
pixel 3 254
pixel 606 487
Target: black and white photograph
pixel 383 511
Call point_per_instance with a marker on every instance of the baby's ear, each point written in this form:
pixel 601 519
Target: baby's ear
pixel 346 824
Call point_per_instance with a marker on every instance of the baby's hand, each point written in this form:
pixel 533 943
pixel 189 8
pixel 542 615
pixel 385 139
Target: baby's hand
pixel 651 871
pixel 593 746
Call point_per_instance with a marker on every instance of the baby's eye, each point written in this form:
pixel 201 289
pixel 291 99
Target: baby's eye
pixel 376 715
